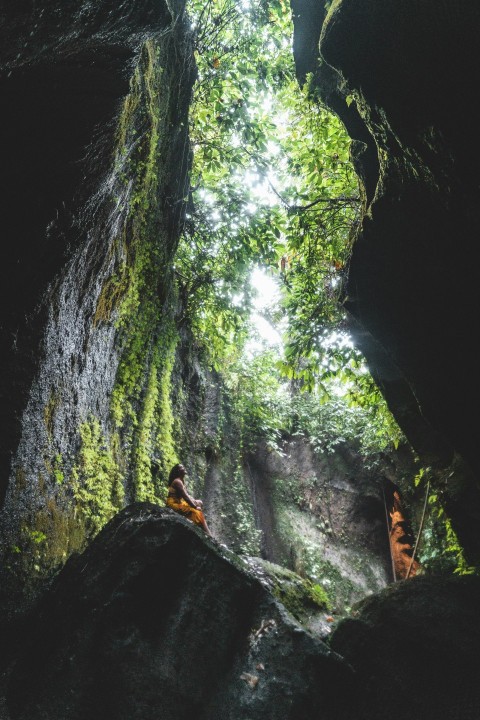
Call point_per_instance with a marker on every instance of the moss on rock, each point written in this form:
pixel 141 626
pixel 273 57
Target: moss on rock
pixel 301 597
pixel 96 478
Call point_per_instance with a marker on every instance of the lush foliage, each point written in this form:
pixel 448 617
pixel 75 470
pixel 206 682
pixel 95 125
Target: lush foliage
pixel 96 479
pixel 267 406
pixel 439 549
pixel 273 187
pixel 273 183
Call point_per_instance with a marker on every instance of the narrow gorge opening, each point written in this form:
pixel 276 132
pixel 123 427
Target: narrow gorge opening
pixel 209 296
pixel 272 211
pixel 220 219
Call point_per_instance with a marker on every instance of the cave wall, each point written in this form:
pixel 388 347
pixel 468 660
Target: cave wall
pixel 325 514
pixel 95 158
pixel 400 77
pixel 321 513
pixel 64 73
pixel 99 376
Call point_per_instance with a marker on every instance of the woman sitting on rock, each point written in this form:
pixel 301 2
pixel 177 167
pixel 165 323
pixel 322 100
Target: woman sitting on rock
pixel 179 500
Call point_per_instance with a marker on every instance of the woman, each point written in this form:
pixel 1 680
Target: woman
pixel 179 500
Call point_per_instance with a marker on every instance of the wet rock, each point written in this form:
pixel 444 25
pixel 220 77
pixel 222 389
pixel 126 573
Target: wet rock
pixel 306 601
pixel 414 647
pixel 323 516
pixel 157 620
pixel 78 126
pixel 64 70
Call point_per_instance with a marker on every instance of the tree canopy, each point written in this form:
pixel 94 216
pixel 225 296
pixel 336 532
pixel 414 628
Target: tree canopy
pixel 272 187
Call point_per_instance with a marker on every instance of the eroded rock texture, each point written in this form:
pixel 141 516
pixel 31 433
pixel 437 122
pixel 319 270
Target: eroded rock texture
pixel 64 69
pixel 412 286
pixel 95 157
pixel 154 620
pixel 157 620
pixel 414 647
pixel 323 515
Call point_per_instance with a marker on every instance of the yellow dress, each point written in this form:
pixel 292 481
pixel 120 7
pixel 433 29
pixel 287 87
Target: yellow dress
pixel 181 506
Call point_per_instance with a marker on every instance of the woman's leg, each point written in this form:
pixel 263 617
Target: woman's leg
pixel 197 516
pixel 205 526
pixel 202 521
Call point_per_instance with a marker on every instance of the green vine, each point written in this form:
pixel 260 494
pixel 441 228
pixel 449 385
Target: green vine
pixel 96 478
pixel 154 436
pixel 439 548
pixel 141 404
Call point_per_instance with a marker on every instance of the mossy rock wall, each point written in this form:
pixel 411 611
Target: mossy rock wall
pixel 100 404
pixel 324 517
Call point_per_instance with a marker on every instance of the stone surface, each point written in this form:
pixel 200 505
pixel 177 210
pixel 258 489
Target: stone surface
pixel 64 69
pixel 76 129
pixel 323 514
pixel 157 620
pixel 412 288
pixel 414 649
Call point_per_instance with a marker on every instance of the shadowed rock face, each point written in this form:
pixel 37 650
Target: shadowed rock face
pixel 414 647
pixel 153 620
pixel 412 286
pixel 157 620
pixel 323 515
pixel 64 69
pixel 91 91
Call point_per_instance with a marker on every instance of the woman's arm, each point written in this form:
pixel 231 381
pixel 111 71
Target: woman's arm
pixel 180 488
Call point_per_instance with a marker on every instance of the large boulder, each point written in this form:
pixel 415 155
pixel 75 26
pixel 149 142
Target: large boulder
pixel 155 620
pixel 414 649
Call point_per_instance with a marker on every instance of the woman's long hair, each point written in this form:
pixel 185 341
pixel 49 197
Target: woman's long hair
pixel 177 471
